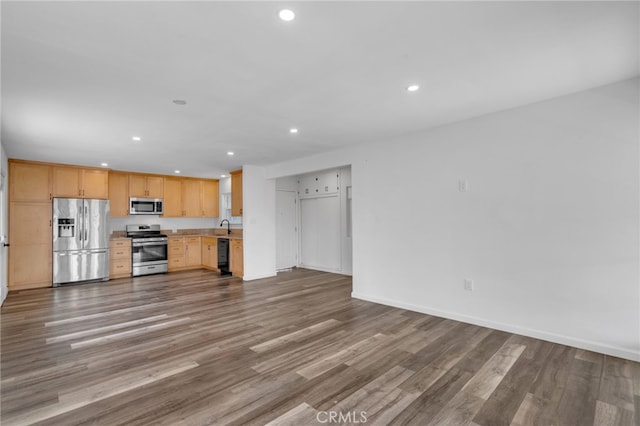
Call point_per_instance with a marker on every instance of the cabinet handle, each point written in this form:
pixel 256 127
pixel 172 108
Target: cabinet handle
pixel 83 192
pixel 50 197
pixel 49 223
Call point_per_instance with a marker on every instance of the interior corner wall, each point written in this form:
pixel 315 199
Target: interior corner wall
pixel 549 229
pixel 259 223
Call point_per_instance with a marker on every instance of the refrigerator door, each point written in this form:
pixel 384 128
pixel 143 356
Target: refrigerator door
pixel 96 217
pixel 67 224
pixel 80 265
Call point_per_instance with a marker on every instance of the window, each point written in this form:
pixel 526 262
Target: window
pixel 225 209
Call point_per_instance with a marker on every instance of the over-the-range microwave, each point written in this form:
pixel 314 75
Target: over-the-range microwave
pixel 145 205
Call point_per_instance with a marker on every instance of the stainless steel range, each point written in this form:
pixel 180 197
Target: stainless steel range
pixel 148 250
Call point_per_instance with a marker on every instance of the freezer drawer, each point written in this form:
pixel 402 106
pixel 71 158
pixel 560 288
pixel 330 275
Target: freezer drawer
pixel 80 265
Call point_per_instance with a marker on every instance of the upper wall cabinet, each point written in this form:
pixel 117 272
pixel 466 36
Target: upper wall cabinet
pixel 118 194
pixel 143 186
pixel 210 198
pixel 318 184
pixel 172 206
pixel 191 198
pixel 75 182
pixel 236 193
pixel 29 182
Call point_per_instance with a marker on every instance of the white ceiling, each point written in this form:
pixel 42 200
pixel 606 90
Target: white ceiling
pixel 79 79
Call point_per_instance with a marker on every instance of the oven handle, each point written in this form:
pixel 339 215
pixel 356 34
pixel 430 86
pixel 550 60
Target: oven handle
pixel 157 243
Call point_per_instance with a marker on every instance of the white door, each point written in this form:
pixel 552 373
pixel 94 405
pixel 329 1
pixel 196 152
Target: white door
pixel 4 283
pixel 286 230
pixel 320 233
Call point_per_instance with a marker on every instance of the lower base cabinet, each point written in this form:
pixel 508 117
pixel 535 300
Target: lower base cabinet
pixel 210 253
pixel 120 258
pixel 236 258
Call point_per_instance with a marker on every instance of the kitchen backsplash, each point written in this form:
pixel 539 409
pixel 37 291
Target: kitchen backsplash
pixel 119 223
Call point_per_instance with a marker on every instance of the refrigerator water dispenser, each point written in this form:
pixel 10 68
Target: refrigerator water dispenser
pixel 66 227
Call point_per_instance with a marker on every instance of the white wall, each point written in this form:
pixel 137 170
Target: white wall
pixel 259 216
pixel 549 230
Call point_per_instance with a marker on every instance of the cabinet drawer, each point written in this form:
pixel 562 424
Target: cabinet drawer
pixel 176 250
pixel 120 266
pixel 121 253
pixel 193 240
pixel 176 262
pixel 120 243
pixel 176 241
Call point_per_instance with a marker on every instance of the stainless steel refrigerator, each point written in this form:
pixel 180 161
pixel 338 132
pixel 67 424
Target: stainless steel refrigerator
pixel 80 240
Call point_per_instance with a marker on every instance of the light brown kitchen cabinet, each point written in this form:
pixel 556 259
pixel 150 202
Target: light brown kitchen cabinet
pixel 175 246
pixel 236 257
pixel 172 205
pixel 118 194
pixel 191 198
pixel 75 182
pixel 192 252
pixel 184 253
pixel 29 181
pixel 236 193
pixel 30 253
pixel 210 198
pixel 143 186
pixel 210 253
pixel 120 258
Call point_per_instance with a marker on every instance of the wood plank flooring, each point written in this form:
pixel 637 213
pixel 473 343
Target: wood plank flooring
pixel 194 348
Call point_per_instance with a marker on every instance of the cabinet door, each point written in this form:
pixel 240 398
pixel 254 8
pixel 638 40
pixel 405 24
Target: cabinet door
pixel 172 197
pixel 29 182
pixel 30 253
pixel 210 252
pixel 138 186
pixel 193 251
pixel 95 184
pixel 210 198
pixel 191 204
pixel 67 182
pixel 236 257
pixel 155 187
pixel 118 194
pixel 30 223
pixel 30 266
pixel 236 193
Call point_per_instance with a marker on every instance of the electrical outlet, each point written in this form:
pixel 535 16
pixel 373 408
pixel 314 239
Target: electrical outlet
pixel 468 284
pixel 463 186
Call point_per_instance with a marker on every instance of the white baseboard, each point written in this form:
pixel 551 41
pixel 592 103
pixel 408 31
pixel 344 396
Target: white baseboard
pixel 538 334
pixel 258 277
pixel 321 269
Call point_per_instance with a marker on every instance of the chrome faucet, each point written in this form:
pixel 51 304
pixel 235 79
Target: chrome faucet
pixel 228 225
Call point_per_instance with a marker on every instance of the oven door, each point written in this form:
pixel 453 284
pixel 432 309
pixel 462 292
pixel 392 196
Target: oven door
pixel 149 253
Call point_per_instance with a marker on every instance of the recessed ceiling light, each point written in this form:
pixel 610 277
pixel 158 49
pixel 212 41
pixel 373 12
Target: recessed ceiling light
pixel 176 172
pixel 179 102
pixel 137 138
pixel 286 15
pixel 223 176
pixel 230 153
pixel 293 130
pixel 413 88
pixel 104 164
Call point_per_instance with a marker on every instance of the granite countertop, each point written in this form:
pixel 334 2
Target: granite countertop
pixel 196 234
pixel 236 234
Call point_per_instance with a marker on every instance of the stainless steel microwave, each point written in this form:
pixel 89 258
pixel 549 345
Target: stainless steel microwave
pixel 145 205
